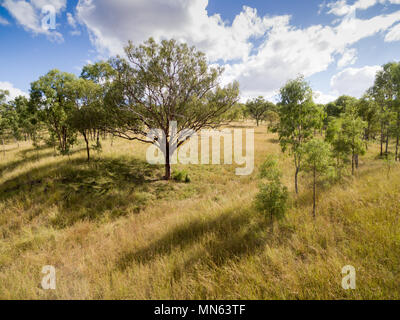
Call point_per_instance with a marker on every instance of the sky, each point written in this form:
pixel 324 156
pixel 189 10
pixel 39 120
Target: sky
pixel 338 45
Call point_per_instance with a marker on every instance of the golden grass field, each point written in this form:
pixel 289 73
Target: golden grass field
pixel 114 230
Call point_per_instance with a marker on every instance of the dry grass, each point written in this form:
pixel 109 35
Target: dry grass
pixel 114 230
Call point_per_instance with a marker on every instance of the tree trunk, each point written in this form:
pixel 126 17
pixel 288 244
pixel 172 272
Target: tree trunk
pixel 387 142
pixel 295 180
pixel 167 162
pixel 314 194
pixel 352 164
pixel 397 148
pixel 257 122
pixel 381 140
pixel 356 160
pixel 87 146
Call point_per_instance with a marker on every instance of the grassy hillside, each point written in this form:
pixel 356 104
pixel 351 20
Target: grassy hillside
pixel 113 229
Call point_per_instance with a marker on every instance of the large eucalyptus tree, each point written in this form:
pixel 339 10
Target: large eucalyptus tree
pixel 162 83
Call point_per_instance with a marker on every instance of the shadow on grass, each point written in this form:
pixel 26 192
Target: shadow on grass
pixel 25 158
pixel 229 236
pixel 82 191
pixel 273 140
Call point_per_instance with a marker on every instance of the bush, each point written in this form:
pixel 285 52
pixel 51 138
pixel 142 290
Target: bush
pixel 181 176
pixel 272 199
pixel 269 169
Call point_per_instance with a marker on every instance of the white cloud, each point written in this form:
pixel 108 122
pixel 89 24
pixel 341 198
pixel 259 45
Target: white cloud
pixel 3 21
pixel 262 52
pixel 290 51
pixel 113 23
pixel 349 57
pixel 14 92
pixel 322 98
pixel 29 14
pixel 342 8
pixel 71 20
pixel 393 34
pixel 354 81
pixel 283 51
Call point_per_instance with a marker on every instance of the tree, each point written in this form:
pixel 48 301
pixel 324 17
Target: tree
pixel 299 117
pixel 338 140
pixel 273 196
pixel 368 112
pixel 384 91
pixel 317 160
pixel 258 108
pixel 396 107
pixel 339 106
pixel 87 115
pixel 49 95
pixel 4 116
pixel 346 134
pixel 353 130
pixel 101 73
pixel 165 83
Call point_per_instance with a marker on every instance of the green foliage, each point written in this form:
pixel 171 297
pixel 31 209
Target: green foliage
pixel 317 160
pixel 49 97
pixel 164 82
pixel 87 116
pixel 299 118
pixel 181 176
pixel 4 119
pixel 368 111
pixel 236 113
pixel 317 156
pixel 272 197
pixel 385 93
pixel 339 106
pixel 258 109
pixel 346 137
pixel 269 169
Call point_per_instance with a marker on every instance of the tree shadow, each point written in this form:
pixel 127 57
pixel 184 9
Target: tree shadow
pixel 233 234
pixel 24 158
pixel 273 140
pixel 81 190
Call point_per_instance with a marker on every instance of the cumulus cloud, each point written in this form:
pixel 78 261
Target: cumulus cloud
pixel 29 14
pixel 320 97
pixel 262 52
pixel 113 23
pixel 354 81
pixel 290 51
pixel 14 92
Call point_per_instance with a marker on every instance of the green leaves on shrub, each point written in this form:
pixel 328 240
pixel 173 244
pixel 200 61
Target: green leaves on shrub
pixel 181 176
pixel 273 197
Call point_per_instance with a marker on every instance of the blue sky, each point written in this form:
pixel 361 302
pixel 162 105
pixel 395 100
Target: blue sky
pixel 337 45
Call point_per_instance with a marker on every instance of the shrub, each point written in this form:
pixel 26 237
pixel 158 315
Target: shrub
pixel 272 199
pixel 269 169
pixel 181 176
